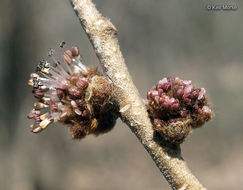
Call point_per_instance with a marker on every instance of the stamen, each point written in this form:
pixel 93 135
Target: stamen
pixel 62 44
pixel 35 129
pixel 62 71
pixel 44 124
pixel 44 116
pixel 82 67
pixel 39 105
pixel 36 82
pixel 51 52
pixel 75 51
pixel 43 66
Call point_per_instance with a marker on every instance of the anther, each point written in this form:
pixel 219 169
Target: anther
pixel 35 130
pixel 51 52
pixel 36 82
pixel 45 123
pixel 44 116
pixel 39 105
pixel 62 44
pixel 67 57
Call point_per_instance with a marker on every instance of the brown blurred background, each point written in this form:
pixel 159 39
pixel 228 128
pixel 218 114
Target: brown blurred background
pixel 158 39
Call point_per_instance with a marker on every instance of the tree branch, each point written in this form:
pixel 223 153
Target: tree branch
pixel 103 36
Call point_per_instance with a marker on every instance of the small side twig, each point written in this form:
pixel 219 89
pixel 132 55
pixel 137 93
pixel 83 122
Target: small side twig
pixel 103 36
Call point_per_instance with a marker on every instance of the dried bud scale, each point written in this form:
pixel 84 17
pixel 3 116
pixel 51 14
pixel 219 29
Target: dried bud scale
pixel 176 107
pixel 72 93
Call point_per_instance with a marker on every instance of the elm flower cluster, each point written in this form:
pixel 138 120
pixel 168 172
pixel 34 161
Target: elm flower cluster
pixel 72 93
pixel 176 107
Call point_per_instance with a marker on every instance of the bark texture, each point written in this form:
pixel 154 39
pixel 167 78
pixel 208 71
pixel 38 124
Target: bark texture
pixel 103 36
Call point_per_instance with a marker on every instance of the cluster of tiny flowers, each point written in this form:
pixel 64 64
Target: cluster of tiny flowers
pixel 67 92
pixel 175 107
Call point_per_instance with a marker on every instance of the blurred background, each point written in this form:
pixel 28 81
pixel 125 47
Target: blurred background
pixel 158 39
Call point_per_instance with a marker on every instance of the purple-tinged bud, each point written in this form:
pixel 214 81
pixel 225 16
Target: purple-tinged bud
pixel 180 92
pixel 154 94
pixel 163 81
pixel 188 89
pixel 149 94
pixel 38 93
pixel 161 100
pixel 194 94
pixel 75 51
pixel 31 115
pixel 164 86
pixel 186 82
pixel 176 107
pixel 160 92
pixel 206 109
pixel 166 105
pixel 201 93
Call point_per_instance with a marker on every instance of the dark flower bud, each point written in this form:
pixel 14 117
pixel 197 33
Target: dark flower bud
pixel 75 51
pixel 176 107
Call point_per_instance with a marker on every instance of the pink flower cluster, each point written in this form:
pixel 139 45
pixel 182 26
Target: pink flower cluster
pixel 175 106
pixel 178 97
pixel 61 90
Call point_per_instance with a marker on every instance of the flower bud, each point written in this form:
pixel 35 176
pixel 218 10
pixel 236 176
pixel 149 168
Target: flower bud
pixel 73 94
pixel 176 107
pixel 75 51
